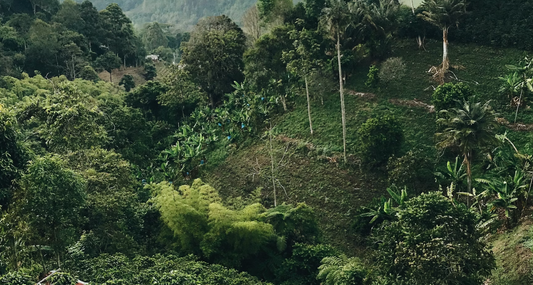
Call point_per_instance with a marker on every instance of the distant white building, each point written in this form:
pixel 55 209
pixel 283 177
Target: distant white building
pixel 153 57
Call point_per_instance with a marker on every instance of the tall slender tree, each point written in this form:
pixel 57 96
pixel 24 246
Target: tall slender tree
pixel 336 18
pixel 302 60
pixel 443 14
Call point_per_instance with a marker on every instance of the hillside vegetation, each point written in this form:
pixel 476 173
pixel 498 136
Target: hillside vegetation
pixel 323 143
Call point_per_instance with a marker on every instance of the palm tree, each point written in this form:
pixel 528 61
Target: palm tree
pixel 337 17
pixel 443 14
pixel 469 128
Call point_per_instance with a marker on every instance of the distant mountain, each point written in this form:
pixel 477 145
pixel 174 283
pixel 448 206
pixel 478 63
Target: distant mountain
pixel 182 14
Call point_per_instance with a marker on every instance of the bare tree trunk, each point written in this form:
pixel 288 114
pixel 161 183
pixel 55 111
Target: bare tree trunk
pixel 272 163
pixel 308 105
pixel 284 103
pixel 341 91
pixel 110 76
pixel 445 60
pixel 418 38
pixel 518 105
pixel 469 175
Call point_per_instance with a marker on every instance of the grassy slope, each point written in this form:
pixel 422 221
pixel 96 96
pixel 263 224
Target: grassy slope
pixel 513 255
pixel 311 175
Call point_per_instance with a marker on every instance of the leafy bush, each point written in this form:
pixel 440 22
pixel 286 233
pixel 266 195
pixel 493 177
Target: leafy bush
pixel 392 70
pixel 159 269
pixel 379 138
pixel 88 73
pixel 296 224
pixel 413 170
pixel 127 82
pixel 372 76
pixel 446 96
pixel 150 72
pixel 440 243
pixel 302 266
pixel 16 278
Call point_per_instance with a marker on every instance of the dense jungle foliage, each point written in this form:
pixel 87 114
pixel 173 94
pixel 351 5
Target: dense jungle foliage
pixel 322 142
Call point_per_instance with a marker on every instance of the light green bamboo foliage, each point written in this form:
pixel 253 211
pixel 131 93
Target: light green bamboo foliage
pixel 235 235
pixel 204 226
pixel 185 211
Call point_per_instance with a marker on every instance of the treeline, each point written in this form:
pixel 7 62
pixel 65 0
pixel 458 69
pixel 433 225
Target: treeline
pixel 65 39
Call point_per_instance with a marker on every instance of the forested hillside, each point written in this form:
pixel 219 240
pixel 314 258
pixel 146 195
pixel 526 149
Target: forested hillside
pixel 326 142
pixel 181 14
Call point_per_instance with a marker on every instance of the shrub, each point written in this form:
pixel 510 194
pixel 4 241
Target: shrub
pixel 372 76
pixel 88 73
pixel 447 95
pixel 16 278
pixel 302 266
pixel 433 241
pixel 413 170
pixel 379 139
pixel 150 72
pixel 127 82
pixel 392 69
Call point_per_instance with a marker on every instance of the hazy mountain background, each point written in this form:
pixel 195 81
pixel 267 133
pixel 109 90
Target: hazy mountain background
pixel 183 14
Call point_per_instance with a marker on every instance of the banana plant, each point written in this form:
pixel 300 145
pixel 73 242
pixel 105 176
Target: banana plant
pixel 453 173
pixel 505 194
pixel 387 209
pixel 524 71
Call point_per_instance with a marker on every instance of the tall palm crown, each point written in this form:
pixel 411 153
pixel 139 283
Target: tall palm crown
pixel 336 17
pixel 443 13
pixel 468 128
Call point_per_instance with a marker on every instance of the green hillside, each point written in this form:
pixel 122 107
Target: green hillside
pixel 326 143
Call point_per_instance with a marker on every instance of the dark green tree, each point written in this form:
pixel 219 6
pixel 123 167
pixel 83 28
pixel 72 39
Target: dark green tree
pixel 12 155
pixel 265 69
pixel 88 73
pixel 450 95
pixel 69 120
pixel 112 221
pixel 69 16
pixel 118 31
pixel 54 196
pixel 380 138
pixel 42 48
pixel 154 37
pixel 150 72
pixel 433 241
pixel 92 28
pixel 213 56
pixel 108 61
pixel 127 82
